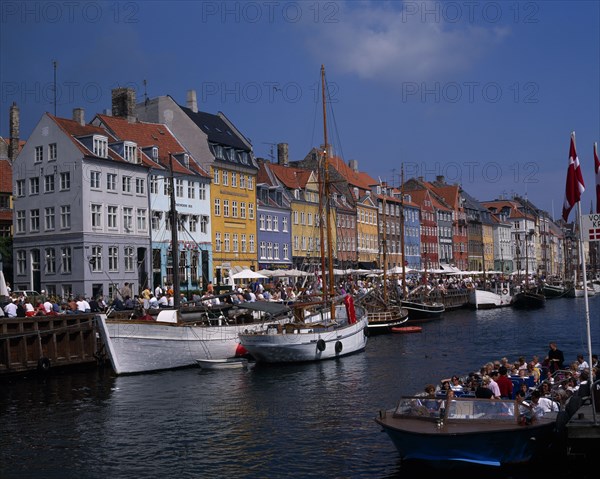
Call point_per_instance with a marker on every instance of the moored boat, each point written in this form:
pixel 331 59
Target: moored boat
pixel 484 299
pixel 482 431
pixel 528 300
pixel 227 363
pixel 422 311
pixel 554 290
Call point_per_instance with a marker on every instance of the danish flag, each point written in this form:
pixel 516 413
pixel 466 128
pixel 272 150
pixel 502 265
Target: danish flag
pixel 575 186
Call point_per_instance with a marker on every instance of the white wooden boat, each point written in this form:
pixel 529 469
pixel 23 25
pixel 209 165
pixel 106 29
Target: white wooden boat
pixel 315 338
pixel 579 292
pixel 227 363
pixel 483 299
pixel 138 346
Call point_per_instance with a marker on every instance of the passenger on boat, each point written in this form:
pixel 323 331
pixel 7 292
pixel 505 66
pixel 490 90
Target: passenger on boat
pixel 555 357
pixel 523 391
pixel 483 391
pixel 542 405
pixel 504 384
pixel 493 384
pixel 582 364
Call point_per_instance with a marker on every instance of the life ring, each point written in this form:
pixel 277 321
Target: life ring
pixel 338 347
pixel 505 291
pixel 43 364
pixel 321 345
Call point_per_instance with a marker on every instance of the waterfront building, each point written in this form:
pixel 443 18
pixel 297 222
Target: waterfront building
pixel 223 151
pixel 170 160
pixel 273 208
pixel 412 233
pixel 429 229
pixel 390 217
pixel 502 238
pixel 80 210
pixel 346 230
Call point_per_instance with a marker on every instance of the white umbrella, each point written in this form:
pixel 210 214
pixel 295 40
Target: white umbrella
pixel 248 274
pixel 3 288
pixel 267 272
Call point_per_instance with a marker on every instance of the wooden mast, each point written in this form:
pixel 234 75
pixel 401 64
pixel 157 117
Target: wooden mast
pixel 174 239
pixel 402 231
pixel 384 246
pixel 326 196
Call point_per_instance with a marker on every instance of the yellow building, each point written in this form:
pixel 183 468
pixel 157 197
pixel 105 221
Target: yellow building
pixel 488 246
pixel 367 231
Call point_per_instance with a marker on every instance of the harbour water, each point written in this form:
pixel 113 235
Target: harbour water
pixel 305 421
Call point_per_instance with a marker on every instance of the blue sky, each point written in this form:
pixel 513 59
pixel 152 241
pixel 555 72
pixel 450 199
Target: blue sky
pixel 485 93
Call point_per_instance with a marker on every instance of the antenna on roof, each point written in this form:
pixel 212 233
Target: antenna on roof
pixel 145 93
pixel 272 150
pixel 55 66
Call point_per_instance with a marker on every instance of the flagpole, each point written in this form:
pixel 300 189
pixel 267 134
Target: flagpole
pixel 587 309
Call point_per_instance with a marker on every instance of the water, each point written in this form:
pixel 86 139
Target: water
pixel 306 421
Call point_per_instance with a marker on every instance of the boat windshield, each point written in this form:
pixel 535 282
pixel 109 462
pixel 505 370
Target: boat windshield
pixel 456 408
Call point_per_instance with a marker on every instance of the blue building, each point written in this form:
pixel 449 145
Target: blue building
pixel 412 233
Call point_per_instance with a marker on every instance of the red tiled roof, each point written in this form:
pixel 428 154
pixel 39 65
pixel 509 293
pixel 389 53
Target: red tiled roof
pixel 354 178
pixel 5 176
pixel 291 177
pixel 151 134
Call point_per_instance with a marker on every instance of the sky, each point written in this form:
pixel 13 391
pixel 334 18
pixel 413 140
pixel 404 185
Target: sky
pixel 485 93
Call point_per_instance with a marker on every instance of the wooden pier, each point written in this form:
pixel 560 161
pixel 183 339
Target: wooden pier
pixel 46 342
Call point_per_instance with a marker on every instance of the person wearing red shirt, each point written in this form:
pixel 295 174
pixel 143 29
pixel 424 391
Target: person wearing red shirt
pixel 504 383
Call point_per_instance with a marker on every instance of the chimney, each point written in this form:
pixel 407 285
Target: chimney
pixel 192 102
pixel 79 116
pixel 123 103
pixel 282 154
pixel 13 127
pixel 353 164
pixel 3 149
pixel 440 179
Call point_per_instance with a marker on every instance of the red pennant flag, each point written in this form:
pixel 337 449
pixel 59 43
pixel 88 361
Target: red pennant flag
pixel 575 186
pixel 597 165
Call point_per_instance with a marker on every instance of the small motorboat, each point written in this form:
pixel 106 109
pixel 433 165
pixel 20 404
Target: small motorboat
pixel 227 363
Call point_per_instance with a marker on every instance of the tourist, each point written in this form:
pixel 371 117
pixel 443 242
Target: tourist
pixel 504 383
pixel 582 364
pixel 163 302
pixel 153 302
pixel 126 291
pixel 542 405
pixel 493 385
pixel 82 305
pixel 483 391
pixel 11 309
pixel 555 357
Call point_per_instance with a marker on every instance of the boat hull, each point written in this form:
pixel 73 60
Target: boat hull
pixel 514 445
pixel 529 301
pixel 311 343
pixel 480 299
pixel 423 311
pixel 383 321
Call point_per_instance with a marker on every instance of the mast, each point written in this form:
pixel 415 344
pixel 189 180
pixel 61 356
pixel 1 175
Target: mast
pixel 326 195
pixel 402 231
pixel 384 246
pixel 174 239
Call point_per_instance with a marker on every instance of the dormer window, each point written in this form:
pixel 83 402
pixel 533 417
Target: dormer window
pixel 130 152
pixel 100 146
pixel 155 153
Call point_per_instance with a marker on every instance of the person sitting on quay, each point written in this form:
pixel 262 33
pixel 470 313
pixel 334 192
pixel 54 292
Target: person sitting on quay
pixel 29 309
pixel 153 302
pixel 163 302
pixel 128 303
pixel 82 305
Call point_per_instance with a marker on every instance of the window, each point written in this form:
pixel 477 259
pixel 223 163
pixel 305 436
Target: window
pixel 52 154
pixel 243 210
pixel 204 224
pixel 50 256
pixel 250 183
pixel 217 207
pixel 252 244
pixel 140 186
pixel 216 179
pixel 49 222
pixel 156 215
pixel 130 152
pixel 235 243
pixel 234 179
pixel 286 251
pixel 234 209
pixel 225 178
pixel 39 154
pixel 275 223
pixel 202 192
pixel 21 221
pixel 34 220
pixel 218 241
pixel 193 223
pixel 96 211
pixel 250 211
pixel 269 223
pixel 111 217
pixel 242 181
pixel 284 220
pixel 166 187
pixel 96 258
pixel 21 262
pixel 34 186
pixel 127 184
pixel 226 241
pixel 95 178
pixel 261 222
pixel 20 188
pixel 179 188
pixel 49 184
pixel 65 216
pixel 100 146
pixel 191 190
pixel 128 219
pixel 295 217
pixel 65 259
pixel 154 184
pixel 113 258
pixel 263 250
pixel 270 250
pixel 244 244
pixel 65 181
pixel 141 219
pixel 129 258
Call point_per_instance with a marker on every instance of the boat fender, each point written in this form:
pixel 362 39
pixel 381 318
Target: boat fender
pixel 321 345
pixel 505 291
pixel 43 364
pixel 338 347
pixel 366 332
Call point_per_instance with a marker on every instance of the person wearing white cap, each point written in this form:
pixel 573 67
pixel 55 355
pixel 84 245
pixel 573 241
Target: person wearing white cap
pixel 11 308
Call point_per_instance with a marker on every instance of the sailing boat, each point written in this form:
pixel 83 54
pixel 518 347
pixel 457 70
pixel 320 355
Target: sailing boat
pixel 382 314
pixel 327 329
pixel 528 298
pixel 180 337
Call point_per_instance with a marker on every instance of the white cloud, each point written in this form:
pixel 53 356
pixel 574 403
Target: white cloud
pixel 389 43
